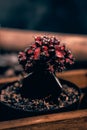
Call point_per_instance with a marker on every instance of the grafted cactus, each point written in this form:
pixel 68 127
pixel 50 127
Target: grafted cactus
pixel 46 53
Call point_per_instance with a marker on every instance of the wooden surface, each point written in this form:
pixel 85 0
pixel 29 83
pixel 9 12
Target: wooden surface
pixel 75 120
pixel 19 39
pixel 79 77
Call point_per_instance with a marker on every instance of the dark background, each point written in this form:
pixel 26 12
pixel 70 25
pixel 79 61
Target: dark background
pixel 66 16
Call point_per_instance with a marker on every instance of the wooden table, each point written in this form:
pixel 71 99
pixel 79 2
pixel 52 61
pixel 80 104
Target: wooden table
pixel 73 120
pixel 19 39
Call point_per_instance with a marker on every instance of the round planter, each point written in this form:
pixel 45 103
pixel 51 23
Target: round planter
pixel 9 111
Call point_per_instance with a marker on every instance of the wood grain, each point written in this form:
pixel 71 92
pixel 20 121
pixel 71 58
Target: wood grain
pixel 19 39
pixel 75 120
pixel 8 80
pixel 79 77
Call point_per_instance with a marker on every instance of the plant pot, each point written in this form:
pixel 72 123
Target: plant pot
pixel 40 84
pixel 10 111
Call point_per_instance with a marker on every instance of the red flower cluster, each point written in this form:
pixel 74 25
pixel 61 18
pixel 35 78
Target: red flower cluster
pixel 45 54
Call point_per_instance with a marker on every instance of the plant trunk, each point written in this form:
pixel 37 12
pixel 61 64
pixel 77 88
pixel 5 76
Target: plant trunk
pixel 40 84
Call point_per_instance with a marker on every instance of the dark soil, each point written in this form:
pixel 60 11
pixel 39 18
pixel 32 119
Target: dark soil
pixel 11 96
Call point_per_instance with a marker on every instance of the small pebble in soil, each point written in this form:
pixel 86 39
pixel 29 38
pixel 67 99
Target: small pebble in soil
pixel 11 96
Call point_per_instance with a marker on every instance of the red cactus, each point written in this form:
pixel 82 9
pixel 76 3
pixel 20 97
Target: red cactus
pixel 46 53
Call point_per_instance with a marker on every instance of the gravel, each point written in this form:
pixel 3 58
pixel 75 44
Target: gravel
pixel 11 96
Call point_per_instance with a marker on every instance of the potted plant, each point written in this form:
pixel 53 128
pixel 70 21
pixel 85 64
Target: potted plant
pixel 40 91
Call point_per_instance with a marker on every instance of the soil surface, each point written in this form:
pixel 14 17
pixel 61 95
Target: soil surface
pixel 11 96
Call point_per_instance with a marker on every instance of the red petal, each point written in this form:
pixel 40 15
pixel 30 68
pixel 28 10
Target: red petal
pixel 71 62
pixel 63 47
pixel 39 42
pixel 51 68
pixel 38 39
pixel 45 48
pixel 33 46
pixel 46 53
pixel 70 56
pixel 29 51
pixel 67 60
pixel 57 47
pixel 36 53
pixel 59 54
pixel 21 54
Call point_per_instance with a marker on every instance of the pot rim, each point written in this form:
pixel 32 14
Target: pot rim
pixel 44 111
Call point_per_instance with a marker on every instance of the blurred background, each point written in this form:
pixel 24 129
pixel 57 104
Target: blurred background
pixel 20 20
pixel 45 15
